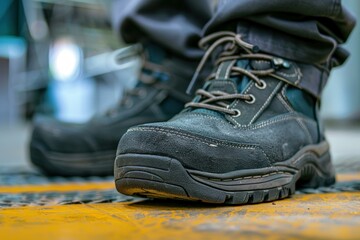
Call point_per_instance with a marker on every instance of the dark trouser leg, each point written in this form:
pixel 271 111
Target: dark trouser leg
pixel 175 25
pixel 305 31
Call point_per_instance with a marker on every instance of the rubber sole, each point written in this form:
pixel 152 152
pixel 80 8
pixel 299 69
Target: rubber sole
pixel 68 165
pixel 163 177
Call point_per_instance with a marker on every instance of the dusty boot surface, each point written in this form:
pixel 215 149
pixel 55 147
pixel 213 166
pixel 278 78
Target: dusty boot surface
pixel 250 135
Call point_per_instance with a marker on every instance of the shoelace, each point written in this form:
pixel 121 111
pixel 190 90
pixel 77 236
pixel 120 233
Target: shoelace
pixel 234 48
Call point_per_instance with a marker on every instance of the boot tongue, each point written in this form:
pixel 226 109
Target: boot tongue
pixel 223 82
pixel 243 81
pixel 260 65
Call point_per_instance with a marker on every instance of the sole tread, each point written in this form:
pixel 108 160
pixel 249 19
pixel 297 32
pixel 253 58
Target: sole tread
pixel 173 181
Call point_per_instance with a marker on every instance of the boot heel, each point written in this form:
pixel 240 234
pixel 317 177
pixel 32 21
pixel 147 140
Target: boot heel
pixel 313 176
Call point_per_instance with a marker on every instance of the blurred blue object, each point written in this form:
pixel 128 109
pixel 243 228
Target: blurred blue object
pixel 65 60
pixel 69 92
pixel 12 56
pixel 73 100
pixel 80 88
pixel 12 47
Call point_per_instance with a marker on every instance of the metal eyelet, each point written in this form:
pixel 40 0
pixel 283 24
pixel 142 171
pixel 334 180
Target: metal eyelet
pixel 237 111
pixel 253 99
pixel 262 85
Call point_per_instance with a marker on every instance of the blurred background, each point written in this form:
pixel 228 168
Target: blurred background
pixel 62 59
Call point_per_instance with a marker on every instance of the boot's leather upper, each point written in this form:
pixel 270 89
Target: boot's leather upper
pixel 249 114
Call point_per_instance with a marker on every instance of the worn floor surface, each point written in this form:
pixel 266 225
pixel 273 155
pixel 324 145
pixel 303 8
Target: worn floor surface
pixel 33 206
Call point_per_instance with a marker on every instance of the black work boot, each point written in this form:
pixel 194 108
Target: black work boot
pixel 250 135
pixel 66 149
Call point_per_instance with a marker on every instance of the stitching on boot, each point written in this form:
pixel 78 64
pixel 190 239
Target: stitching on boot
pixel 184 135
pixel 307 133
pixel 284 103
pixel 300 122
pixel 276 89
pixel 297 73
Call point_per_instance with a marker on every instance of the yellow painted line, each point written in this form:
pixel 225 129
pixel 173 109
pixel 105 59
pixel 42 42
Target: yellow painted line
pixel 312 216
pixel 346 177
pixel 59 187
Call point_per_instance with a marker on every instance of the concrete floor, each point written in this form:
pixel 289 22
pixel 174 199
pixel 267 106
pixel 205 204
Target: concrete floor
pixel 303 216
pixel 13 145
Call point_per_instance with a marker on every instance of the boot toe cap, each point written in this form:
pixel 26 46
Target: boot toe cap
pixel 192 150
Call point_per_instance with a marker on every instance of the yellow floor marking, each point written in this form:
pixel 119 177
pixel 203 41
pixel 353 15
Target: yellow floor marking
pixel 346 177
pixel 304 216
pixel 58 187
